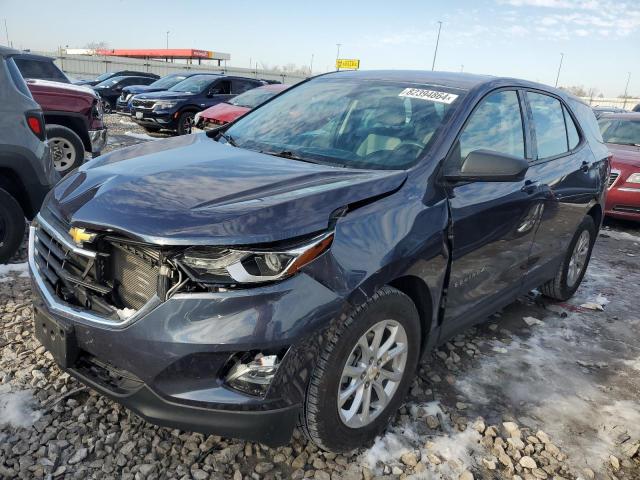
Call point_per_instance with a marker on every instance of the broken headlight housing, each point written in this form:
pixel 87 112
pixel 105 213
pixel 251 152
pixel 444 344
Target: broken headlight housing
pixel 253 375
pixel 233 266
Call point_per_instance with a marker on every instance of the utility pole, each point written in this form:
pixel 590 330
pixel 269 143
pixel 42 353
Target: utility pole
pixel 338 54
pixel 559 68
pixel 6 30
pixel 435 52
pixel 626 90
pixel 168 39
pixel 311 66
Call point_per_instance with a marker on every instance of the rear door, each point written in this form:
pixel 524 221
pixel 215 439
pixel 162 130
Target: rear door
pixel 564 177
pixel 493 223
pixel 219 91
pixel 241 85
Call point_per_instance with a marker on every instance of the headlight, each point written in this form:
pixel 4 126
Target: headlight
pixel 243 266
pixel 164 105
pixel 634 178
pixel 129 95
pixel 196 119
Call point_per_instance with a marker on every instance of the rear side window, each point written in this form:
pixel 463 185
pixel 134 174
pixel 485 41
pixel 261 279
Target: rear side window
pixel 572 131
pixel 241 86
pixel 40 69
pixel 587 120
pixel 496 125
pixel 548 121
pixel 16 76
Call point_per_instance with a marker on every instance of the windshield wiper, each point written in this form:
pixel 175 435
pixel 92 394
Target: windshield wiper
pixel 229 139
pixel 288 154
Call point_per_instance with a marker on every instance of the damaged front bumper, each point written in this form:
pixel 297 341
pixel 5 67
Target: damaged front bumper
pixel 98 139
pixel 168 362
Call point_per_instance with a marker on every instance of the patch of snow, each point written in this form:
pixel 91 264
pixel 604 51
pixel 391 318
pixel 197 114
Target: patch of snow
pixel 125 313
pixel 618 235
pixel 22 269
pixel 16 408
pixel 127 122
pixel 140 136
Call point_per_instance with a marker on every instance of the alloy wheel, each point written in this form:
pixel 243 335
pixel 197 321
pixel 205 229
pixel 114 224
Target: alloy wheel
pixel 373 371
pixel 578 259
pixel 64 155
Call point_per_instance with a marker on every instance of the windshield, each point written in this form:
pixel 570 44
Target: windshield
pixel 104 76
pixel 195 84
pixel 620 131
pixel 252 98
pixel 168 81
pixel 353 123
pixel 110 82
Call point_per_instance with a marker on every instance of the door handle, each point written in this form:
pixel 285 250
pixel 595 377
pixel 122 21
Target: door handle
pixel 530 187
pixel 585 167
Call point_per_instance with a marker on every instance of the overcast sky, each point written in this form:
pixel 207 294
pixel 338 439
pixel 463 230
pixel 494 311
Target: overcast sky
pixel 521 38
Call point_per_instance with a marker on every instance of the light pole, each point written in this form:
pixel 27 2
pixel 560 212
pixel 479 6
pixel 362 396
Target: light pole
pixel 338 54
pixel 435 52
pixel 462 68
pixel 311 66
pixel 559 68
pixel 626 90
pixel 6 30
pixel 168 39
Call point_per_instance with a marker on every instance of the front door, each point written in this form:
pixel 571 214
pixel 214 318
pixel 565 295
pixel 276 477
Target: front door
pixel 493 223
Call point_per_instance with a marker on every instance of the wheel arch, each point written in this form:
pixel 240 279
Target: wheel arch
pixel 76 124
pixel 597 214
pixel 418 291
pixel 12 184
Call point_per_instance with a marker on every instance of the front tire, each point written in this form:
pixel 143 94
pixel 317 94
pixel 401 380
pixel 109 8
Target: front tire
pixel 363 373
pixel 185 122
pixel 67 148
pixel 572 269
pixel 12 226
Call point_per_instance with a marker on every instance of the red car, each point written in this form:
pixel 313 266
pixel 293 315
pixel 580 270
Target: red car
pixel 621 132
pixel 73 115
pixel 228 111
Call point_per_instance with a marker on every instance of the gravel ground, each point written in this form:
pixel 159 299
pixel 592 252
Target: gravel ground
pixel 542 390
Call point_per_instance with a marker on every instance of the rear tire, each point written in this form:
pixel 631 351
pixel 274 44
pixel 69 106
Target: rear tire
pixel 12 226
pixel 347 369
pixel 572 269
pixel 67 149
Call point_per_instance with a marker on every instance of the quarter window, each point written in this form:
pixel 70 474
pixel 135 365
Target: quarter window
pixel 496 125
pixel 548 121
pixel 572 131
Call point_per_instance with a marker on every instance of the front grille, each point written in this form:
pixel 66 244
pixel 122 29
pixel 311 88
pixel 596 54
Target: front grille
pixel 143 103
pixel 121 275
pixel 613 176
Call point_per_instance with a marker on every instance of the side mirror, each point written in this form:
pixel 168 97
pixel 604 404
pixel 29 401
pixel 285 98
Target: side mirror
pixel 489 166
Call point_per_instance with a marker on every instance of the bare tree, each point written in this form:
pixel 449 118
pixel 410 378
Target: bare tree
pixel 102 45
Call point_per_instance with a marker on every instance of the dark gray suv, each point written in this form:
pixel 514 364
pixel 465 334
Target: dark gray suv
pixel 26 170
pixel 295 265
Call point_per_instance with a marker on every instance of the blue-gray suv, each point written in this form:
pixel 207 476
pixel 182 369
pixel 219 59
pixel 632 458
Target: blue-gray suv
pixel 294 266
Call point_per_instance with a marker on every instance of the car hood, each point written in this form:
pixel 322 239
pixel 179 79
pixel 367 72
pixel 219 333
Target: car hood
pixel 135 89
pixel 46 86
pixel 165 95
pixel 627 154
pixel 224 112
pixel 85 82
pixel 192 190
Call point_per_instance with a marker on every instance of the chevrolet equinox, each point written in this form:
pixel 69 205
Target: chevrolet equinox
pixel 294 266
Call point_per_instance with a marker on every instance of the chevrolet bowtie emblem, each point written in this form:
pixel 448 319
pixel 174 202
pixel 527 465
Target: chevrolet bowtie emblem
pixel 80 235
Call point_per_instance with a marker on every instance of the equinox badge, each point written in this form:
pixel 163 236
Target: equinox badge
pixel 80 235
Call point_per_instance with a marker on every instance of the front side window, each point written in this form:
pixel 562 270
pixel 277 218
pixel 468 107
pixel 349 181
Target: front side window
pixel 548 122
pixel 372 124
pixel 495 125
pixel 194 84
